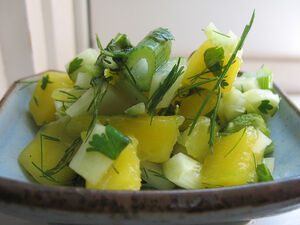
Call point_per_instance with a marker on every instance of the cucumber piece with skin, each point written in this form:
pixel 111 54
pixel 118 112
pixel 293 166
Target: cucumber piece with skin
pixel 150 53
pixel 152 173
pixel 183 171
pixel 141 64
pixel 247 120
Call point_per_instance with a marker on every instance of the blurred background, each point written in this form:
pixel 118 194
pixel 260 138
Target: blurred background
pixel 38 35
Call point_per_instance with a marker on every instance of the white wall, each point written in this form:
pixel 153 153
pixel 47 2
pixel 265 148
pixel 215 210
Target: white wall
pixel 274 39
pixel 275 33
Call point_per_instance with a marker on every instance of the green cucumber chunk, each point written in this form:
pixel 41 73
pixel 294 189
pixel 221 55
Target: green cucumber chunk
pixel 152 174
pixel 183 171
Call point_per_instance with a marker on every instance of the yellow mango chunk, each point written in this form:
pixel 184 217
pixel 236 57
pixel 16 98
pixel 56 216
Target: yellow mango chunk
pixel 196 65
pixel 52 151
pixel 41 105
pixel 232 161
pixel 125 173
pixel 190 106
pixel 156 140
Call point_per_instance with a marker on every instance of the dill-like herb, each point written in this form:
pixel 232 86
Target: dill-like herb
pixel 223 74
pixel 35 101
pixel 158 95
pixel 236 144
pixel 213 121
pixel 115 169
pixel 225 35
pixel 70 96
pixel 66 159
pixel 157 174
pixel 181 91
pixel 98 97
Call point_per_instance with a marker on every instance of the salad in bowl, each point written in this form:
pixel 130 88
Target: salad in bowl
pixel 130 117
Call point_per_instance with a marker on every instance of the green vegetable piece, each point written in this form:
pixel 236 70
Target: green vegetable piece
pixel 214 59
pixel 161 35
pixel 265 78
pixel 75 64
pixel 45 81
pixel 269 149
pixel 110 144
pixel 247 120
pixel 263 173
pixel 264 106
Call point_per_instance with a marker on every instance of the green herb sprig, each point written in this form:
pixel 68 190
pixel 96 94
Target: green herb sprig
pixel 45 81
pixel 111 143
pixel 219 81
pixel 158 95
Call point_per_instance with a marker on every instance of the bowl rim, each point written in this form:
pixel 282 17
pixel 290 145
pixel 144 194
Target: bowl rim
pixel 76 199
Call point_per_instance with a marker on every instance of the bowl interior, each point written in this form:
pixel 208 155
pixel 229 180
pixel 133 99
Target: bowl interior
pixel 17 129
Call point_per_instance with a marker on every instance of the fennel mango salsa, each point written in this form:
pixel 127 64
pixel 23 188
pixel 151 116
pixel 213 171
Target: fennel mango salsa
pixel 130 117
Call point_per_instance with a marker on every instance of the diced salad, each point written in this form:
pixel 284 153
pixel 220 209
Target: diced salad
pixel 130 117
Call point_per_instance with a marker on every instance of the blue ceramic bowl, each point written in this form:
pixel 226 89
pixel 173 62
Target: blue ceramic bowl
pixel 21 197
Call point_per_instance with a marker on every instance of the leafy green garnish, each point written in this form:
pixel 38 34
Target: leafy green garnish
pixel 219 81
pixel 46 137
pixel 157 174
pixel 35 101
pixel 164 87
pixel 45 81
pixel 161 35
pixel 264 106
pixel 263 173
pixel 214 59
pixel 100 92
pixel 63 162
pixel 111 143
pixel 236 144
pixel 74 65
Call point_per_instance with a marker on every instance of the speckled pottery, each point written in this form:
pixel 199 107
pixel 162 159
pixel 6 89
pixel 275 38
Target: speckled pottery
pixel 21 197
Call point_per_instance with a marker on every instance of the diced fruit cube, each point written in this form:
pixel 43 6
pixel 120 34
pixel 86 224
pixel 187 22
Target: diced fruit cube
pixel 52 152
pixel 183 171
pixel 232 161
pixel 232 104
pixel 196 143
pixel 156 139
pixel 196 65
pixel 41 105
pixel 123 174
